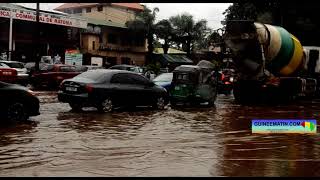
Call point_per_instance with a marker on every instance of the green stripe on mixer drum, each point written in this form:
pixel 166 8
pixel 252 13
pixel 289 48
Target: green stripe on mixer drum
pixel 286 51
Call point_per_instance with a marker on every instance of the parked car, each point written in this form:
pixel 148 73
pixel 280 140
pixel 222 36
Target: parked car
pixel 87 68
pixel 30 66
pixel 126 67
pixel 17 102
pixel 52 75
pixel 23 76
pixel 109 88
pixel 8 75
pixel 164 80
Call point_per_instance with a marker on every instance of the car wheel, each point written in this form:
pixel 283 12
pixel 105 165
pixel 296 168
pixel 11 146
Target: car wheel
pixel 106 105
pixel 17 112
pixel 75 106
pixel 160 103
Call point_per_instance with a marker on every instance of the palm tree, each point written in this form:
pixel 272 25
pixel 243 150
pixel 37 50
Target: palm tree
pixel 188 31
pixel 145 23
pixel 164 32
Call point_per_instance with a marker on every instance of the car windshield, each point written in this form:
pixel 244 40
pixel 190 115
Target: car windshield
pixel 165 77
pixel 135 69
pixel 15 65
pixel 91 74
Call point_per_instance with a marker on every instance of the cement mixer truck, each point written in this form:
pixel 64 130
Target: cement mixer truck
pixel 271 63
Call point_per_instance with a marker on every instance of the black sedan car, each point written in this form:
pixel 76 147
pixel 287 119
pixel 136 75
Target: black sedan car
pixel 108 88
pixel 17 102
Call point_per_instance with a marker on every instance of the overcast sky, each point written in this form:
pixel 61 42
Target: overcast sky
pixel 212 12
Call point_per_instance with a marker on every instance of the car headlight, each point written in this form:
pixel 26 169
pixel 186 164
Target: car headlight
pixel 231 79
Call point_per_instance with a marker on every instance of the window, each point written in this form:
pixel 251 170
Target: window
pixel 121 78
pixel 112 39
pixel 100 8
pixel 88 10
pixel 93 75
pixel 112 60
pixel 125 60
pixel 68 11
pixel 165 77
pixel 182 77
pixel 67 69
pixel 77 11
pixel 93 45
pixel 14 64
pixel 47 68
pixel 137 79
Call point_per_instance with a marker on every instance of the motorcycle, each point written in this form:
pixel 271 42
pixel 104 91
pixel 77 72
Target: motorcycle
pixel 226 83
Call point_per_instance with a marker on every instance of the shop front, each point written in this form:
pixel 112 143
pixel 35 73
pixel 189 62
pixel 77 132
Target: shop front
pixel 18 33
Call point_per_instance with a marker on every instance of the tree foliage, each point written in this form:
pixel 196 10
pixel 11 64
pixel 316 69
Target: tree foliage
pixel 263 11
pixel 145 22
pixel 188 32
pixel 164 31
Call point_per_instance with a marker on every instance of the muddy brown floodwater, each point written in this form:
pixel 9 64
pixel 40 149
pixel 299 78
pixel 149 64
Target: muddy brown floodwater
pixel 213 141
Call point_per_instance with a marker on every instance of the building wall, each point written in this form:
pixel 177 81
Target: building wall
pixel 87 42
pixel 120 36
pixel 110 13
pixel 113 50
pixel 135 58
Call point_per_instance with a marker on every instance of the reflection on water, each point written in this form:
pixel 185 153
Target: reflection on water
pixel 214 141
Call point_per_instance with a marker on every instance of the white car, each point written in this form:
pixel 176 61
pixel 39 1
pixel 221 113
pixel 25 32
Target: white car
pixel 21 70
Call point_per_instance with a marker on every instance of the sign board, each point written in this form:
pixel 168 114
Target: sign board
pixel 49 18
pixel 73 57
pixel 96 61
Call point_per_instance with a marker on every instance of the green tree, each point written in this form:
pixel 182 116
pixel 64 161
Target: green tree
pixel 262 11
pixel 165 32
pixel 187 31
pixel 145 22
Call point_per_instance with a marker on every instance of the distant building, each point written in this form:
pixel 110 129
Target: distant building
pixel 107 35
pixel 58 32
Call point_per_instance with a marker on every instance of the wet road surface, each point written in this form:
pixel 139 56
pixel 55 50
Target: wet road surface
pixel 213 141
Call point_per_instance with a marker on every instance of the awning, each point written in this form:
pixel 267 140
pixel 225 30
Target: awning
pixel 172 58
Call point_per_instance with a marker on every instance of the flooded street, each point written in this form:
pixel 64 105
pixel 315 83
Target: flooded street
pixel 213 141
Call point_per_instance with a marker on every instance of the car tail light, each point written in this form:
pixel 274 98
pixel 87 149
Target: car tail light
pixel 222 77
pixel 89 88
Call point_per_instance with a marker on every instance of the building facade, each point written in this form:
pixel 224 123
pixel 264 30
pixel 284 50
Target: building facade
pixel 107 36
pixel 57 32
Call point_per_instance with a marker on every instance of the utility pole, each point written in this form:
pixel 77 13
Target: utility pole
pixel 10 37
pixel 37 60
